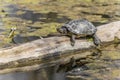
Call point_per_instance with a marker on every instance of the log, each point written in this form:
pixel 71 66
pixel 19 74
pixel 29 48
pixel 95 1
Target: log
pixel 52 50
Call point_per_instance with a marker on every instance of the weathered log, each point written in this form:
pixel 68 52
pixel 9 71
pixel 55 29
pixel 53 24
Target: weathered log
pixel 52 51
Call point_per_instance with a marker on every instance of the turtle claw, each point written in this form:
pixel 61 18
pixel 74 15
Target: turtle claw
pixel 72 40
pixel 72 44
pixel 97 41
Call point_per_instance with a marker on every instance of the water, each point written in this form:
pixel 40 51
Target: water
pixel 18 76
pixel 49 74
pixel 42 74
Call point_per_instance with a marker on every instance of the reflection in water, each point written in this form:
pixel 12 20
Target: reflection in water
pixel 42 74
pixel 49 74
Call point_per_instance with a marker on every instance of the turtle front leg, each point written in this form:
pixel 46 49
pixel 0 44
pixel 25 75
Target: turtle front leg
pixel 96 40
pixel 72 40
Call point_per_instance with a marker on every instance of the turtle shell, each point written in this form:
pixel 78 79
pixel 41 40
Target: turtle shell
pixel 80 27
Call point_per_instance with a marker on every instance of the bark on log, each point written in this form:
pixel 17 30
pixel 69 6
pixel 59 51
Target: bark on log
pixel 51 51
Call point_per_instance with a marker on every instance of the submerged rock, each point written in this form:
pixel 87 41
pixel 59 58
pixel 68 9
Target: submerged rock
pixel 22 39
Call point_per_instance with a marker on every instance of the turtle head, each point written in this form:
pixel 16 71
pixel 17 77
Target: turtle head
pixel 62 30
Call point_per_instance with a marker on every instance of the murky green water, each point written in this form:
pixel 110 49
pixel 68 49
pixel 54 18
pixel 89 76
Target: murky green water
pixel 18 76
pixel 42 74
pixel 42 17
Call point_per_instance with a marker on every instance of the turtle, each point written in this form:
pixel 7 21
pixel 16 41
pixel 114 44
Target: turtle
pixel 79 28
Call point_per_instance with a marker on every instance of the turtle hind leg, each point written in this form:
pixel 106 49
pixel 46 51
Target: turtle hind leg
pixel 72 39
pixel 96 40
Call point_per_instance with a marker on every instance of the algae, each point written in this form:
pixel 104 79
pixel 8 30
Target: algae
pixel 47 15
